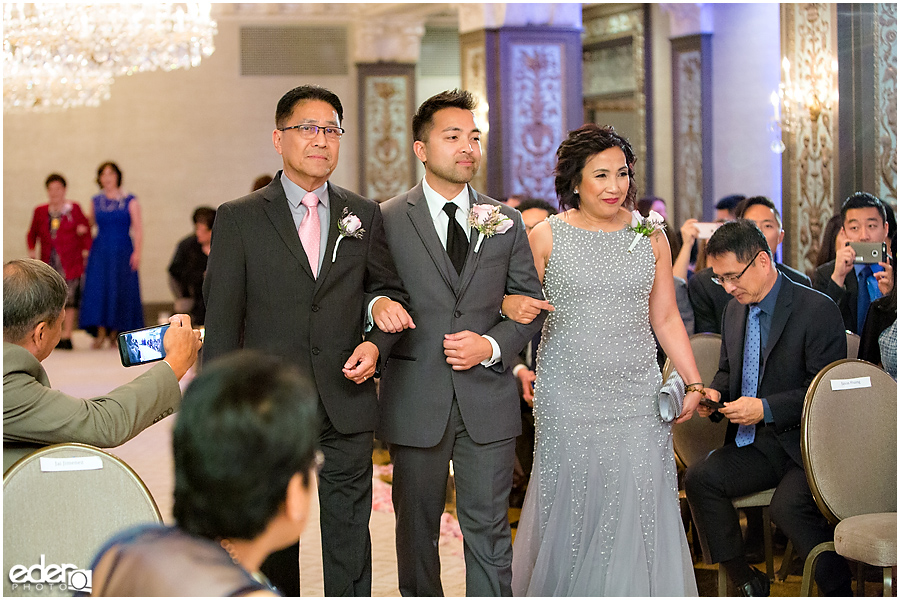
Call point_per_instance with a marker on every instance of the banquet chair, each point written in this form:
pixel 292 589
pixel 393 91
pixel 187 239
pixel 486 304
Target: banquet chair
pixel 852 345
pixel 849 446
pixel 694 439
pixel 61 503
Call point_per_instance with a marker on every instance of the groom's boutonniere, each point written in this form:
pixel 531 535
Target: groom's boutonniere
pixel 488 220
pixel 348 225
pixel 645 226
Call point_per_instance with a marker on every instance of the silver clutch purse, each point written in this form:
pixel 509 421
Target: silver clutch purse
pixel 671 397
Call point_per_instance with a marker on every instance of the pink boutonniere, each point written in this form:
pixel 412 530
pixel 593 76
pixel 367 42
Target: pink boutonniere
pixel 488 220
pixel 349 225
pixel 645 226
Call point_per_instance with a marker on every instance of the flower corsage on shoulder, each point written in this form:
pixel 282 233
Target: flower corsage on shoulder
pixel 645 226
pixel 348 225
pixel 488 220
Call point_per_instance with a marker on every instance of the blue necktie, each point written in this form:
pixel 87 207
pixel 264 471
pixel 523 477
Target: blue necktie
pixel 750 373
pixel 863 299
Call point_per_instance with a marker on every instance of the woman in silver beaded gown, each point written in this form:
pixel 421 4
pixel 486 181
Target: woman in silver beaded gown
pixel 601 515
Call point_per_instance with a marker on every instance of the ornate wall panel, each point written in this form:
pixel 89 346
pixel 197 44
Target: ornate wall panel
pixel 537 119
pixel 691 114
pixel 808 167
pixel 386 106
pixel 474 79
pixel 886 101
pixel 616 77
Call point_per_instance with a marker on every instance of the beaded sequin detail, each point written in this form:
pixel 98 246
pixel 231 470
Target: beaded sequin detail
pixel 601 516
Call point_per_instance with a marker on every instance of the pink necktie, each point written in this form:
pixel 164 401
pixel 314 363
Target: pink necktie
pixel 309 231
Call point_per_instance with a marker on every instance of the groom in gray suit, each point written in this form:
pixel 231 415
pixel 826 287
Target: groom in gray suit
pixel 447 390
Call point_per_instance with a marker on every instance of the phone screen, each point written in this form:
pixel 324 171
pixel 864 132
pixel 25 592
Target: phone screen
pixel 142 346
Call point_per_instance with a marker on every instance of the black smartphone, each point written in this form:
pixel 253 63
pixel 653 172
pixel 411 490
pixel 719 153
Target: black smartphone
pixel 869 253
pixel 712 403
pixel 142 346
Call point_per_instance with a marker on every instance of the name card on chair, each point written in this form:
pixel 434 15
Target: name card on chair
pixel 77 463
pixel 851 384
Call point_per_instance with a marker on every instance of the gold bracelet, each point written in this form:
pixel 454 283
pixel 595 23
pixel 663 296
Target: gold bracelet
pixel 694 387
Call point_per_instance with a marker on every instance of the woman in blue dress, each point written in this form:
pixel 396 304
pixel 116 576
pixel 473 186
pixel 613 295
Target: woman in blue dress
pixel 112 294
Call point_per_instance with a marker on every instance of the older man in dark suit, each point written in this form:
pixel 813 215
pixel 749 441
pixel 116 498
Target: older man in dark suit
pixel 294 269
pixel 708 299
pixel 776 336
pixel 447 392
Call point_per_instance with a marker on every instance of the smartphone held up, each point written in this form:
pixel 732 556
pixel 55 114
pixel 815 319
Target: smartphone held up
pixel 142 346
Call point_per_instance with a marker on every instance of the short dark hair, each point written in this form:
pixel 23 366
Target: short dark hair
pixel 742 237
pixel 746 203
pixel 423 120
pixel 205 215
pixel 114 167
pixel 863 200
pixel 729 203
pixel 303 93
pixel 247 425
pixel 529 203
pixel 33 292
pixel 573 154
pixel 645 204
pixel 54 177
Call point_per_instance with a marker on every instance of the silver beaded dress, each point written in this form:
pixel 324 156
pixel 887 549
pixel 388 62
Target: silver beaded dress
pixel 601 515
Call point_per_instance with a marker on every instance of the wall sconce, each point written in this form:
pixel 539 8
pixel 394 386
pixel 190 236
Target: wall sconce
pixel 794 102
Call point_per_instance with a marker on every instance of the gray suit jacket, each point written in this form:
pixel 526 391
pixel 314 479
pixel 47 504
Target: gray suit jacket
pixel 417 385
pixel 35 415
pixel 260 293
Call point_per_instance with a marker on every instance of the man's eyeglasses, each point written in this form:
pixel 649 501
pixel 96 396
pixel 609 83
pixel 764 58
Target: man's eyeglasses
pixel 308 131
pixel 723 279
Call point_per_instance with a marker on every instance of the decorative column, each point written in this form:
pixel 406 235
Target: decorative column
pixel 691 39
pixel 386 56
pixel 885 35
pixel 809 42
pixel 523 62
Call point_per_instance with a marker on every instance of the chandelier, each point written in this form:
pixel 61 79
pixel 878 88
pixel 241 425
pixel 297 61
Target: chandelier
pixel 62 55
pixel 802 100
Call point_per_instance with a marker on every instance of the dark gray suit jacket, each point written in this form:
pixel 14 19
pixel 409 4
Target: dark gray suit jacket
pixel 418 386
pixel 806 334
pixel 260 293
pixel 710 299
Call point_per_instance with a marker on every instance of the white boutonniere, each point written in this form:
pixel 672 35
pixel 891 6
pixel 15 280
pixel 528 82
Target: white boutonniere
pixel 348 225
pixel 488 220
pixel 645 226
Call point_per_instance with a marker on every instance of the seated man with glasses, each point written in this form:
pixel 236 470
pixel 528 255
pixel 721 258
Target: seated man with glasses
pixel 776 336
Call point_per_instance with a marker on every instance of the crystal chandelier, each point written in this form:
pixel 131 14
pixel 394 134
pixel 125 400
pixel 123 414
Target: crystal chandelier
pixel 61 55
pixel 797 101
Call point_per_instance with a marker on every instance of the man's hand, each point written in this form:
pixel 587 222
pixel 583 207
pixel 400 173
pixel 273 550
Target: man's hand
pixel 523 309
pixel 361 364
pixel 705 411
pixel 466 349
pixel 885 278
pixel 744 411
pixel 526 378
pixel 390 316
pixel 181 344
pixel 843 263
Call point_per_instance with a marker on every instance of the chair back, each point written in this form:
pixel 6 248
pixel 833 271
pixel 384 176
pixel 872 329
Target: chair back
pixel 697 437
pixel 849 439
pixel 852 344
pixel 60 505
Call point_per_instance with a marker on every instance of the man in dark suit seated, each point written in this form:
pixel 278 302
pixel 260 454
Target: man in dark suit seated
pixel 854 285
pixel 709 299
pixel 34 415
pixel 776 336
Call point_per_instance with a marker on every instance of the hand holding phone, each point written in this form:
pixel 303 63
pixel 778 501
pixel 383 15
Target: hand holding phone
pixel 869 253
pixel 178 344
pixel 713 404
pixel 142 346
pixel 705 230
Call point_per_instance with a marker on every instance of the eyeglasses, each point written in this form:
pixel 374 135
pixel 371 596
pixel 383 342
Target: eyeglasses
pixel 308 131
pixel 723 279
